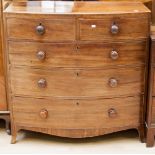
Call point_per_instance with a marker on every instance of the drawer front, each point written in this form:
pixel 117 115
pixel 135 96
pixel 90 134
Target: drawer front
pixel 153 82
pixel 77 83
pixel 76 55
pixel 41 30
pixel 153 51
pixel 77 114
pixel 113 28
pixel 153 110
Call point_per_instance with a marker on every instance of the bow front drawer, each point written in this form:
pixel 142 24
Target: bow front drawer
pixel 77 83
pixel 76 55
pixel 41 29
pixel 77 114
pixel 153 111
pixel 112 28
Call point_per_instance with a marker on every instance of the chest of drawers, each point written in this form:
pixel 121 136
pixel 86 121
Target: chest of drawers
pixel 4 113
pixel 3 105
pixel 77 69
pixel 150 122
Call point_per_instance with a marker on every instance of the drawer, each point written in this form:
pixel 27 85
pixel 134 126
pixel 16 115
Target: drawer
pixel 77 114
pixel 77 83
pixel 76 55
pixel 153 51
pixel 41 29
pixel 113 28
pixel 153 81
pixel 153 110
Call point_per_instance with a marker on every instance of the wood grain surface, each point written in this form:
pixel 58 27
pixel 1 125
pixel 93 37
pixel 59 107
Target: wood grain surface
pixel 77 83
pixel 64 80
pixel 63 113
pixel 77 54
pixel 3 105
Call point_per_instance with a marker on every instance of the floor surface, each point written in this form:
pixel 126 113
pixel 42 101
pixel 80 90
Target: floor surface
pixel 31 142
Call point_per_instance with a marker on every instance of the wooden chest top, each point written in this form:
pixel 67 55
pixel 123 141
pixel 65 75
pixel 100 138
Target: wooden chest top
pixel 67 7
pixel 84 21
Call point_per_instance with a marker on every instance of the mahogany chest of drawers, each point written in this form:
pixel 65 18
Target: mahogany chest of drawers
pixel 4 113
pixel 3 105
pixel 77 69
pixel 150 122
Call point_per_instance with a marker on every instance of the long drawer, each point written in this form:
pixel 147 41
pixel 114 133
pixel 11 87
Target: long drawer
pixel 76 55
pixel 153 81
pixel 153 111
pixel 77 114
pixel 41 29
pixel 76 82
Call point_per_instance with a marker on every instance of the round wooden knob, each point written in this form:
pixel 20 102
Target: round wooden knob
pixel 114 55
pixel 112 113
pixel 43 113
pixel 114 29
pixel 40 30
pixel 42 83
pixel 113 82
pixel 41 55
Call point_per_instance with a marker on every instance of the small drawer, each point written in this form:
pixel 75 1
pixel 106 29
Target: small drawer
pixel 113 28
pixel 77 114
pixel 41 29
pixel 77 82
pixel 76 55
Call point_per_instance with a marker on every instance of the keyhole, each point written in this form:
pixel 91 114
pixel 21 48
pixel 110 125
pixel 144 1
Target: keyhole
pixel 77 103
pixel 77 74
pixel 77 49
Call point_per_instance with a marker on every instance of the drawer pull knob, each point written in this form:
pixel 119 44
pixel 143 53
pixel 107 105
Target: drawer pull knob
pixel 42 83
pixel 114 29
pixel 113 82
pixel 112 113
pixel 43 113
pixel 40 30
pixel 114 55
pixel 41 55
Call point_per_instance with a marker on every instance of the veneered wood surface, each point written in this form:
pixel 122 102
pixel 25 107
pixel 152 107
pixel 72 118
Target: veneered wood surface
pixel 75 84
pixel 88 82
pixel 153 12
pixel 76 54
pixel 76 7
pixel 3 105
pixel 103 28
pixel 55 30
pixel 153 111
pixel 151 92
pixel 77 114
pixel 152 31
